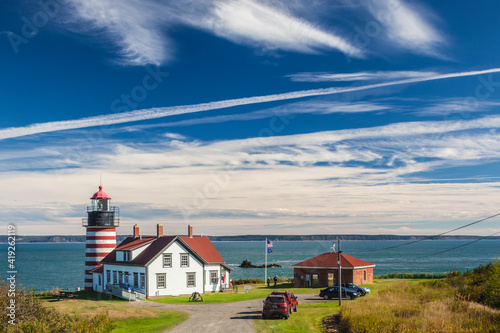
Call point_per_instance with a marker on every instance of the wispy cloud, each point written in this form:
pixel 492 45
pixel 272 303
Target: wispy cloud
pixel 252 22
pixel 459 106
pixel 155 113
pixel 359 76
pixel 305 178
pixel 134 27
pixel 407 25
pixel 138 28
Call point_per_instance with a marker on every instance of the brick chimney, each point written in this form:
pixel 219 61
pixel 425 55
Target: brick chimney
pixel 190 231
pixel 136 231
pixel 159 230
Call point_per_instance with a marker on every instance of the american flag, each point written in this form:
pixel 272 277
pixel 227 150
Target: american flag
pixel 269 246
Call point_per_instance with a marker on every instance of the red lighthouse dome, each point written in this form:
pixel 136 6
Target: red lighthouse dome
pixel 100 194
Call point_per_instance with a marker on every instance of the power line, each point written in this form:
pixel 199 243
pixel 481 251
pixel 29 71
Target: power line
pixel 456 247
pixel 431 237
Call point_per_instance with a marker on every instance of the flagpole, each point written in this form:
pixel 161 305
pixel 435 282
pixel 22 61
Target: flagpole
pixel 265 265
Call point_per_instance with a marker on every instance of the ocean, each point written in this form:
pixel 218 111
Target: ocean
pixel 44 266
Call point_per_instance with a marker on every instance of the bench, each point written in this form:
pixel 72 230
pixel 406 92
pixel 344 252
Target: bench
pixel 65 294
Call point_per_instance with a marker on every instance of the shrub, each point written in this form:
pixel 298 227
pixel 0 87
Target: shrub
pixel 31 316
pixel 481 285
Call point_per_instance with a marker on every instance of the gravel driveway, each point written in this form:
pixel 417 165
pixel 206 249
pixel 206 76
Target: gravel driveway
pixel 237 316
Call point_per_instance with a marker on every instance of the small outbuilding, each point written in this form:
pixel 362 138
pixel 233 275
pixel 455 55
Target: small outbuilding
pixel 322 270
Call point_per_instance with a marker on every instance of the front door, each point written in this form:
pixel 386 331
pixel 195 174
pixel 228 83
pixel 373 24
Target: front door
pixel 331 280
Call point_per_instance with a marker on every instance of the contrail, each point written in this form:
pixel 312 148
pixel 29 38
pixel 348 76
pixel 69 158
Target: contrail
pixel 145 114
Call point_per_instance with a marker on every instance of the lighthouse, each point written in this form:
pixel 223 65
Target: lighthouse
pixel 101 234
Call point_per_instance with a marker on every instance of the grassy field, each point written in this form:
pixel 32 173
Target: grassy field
pixel 125 317
pixel 308 318
pixel 428 306
pixel 257 291
pixel 392 306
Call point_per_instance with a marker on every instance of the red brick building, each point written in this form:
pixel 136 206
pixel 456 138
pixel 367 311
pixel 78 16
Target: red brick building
pixel 322 270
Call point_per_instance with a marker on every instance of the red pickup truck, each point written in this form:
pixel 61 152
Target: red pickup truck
pixel 291 299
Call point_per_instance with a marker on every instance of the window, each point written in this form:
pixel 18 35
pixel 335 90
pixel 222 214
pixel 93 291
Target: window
pixel 214 278
pixel 125 278
pixel 120 277
pixel 315 280
pixel 167 260
pixel 126 256
pixel 100 279
pixel 136 280
pixel 364 275
pixel 191 279
pixel 115 277
pixel 143 280
pixel 108 276
pixel 161 281
pixel 184 260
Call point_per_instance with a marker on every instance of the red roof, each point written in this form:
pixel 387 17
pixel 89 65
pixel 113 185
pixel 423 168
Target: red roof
pixel 329 259
pixel 131 243
pixel 154 245
pixel 204 248
pixel 201 246
pixel 100 194
pixel 99 269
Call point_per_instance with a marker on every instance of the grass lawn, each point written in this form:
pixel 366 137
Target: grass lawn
pixel 257 291
pixel 159 323
pixel 308 318
pixel 127 318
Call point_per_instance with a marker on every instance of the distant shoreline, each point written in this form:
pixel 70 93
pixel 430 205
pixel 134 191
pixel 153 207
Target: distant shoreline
pixel 259 238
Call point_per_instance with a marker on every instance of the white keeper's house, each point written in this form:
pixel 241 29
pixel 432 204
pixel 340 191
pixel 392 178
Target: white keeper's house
pixel 145 266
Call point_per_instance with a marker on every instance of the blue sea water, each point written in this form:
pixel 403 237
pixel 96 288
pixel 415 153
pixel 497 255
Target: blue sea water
pixel 45 266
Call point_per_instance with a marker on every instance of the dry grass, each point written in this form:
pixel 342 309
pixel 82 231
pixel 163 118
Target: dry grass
pixel 117 310
pixel 422 307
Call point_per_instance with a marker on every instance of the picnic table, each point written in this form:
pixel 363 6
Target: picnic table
pixel 66 294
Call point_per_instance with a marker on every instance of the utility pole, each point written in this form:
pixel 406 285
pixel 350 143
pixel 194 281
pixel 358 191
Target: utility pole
pixel 265 266
pixel 340 274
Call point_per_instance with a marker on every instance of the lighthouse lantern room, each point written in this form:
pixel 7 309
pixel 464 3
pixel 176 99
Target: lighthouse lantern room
pixel 101 234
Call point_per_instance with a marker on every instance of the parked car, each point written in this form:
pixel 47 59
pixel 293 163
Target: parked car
pixel 291 299
pixel 362 291
pixel 275 305
pixel 333 292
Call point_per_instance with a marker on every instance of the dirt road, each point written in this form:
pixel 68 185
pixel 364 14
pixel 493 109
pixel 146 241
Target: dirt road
pixel 237 316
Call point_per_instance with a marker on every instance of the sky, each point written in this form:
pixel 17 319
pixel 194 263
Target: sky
pixel 251 116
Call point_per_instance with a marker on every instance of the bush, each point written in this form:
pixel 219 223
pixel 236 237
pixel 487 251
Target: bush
pixel 412 276
pixel 31 316
pixel 481 285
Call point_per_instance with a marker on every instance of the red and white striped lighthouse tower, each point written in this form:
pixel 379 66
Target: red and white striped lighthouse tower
pixel 101 234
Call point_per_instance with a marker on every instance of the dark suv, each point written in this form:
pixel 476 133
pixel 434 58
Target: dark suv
pixel 275 305
pixel 291 299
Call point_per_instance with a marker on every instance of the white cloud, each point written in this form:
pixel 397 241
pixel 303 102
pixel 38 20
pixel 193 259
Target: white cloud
pixel 407 25
pixel 134 26
pixel 251 22
pixel 138 28
pixel 154 113
pixel 461 107
pixel 307 182
pixel 359 76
